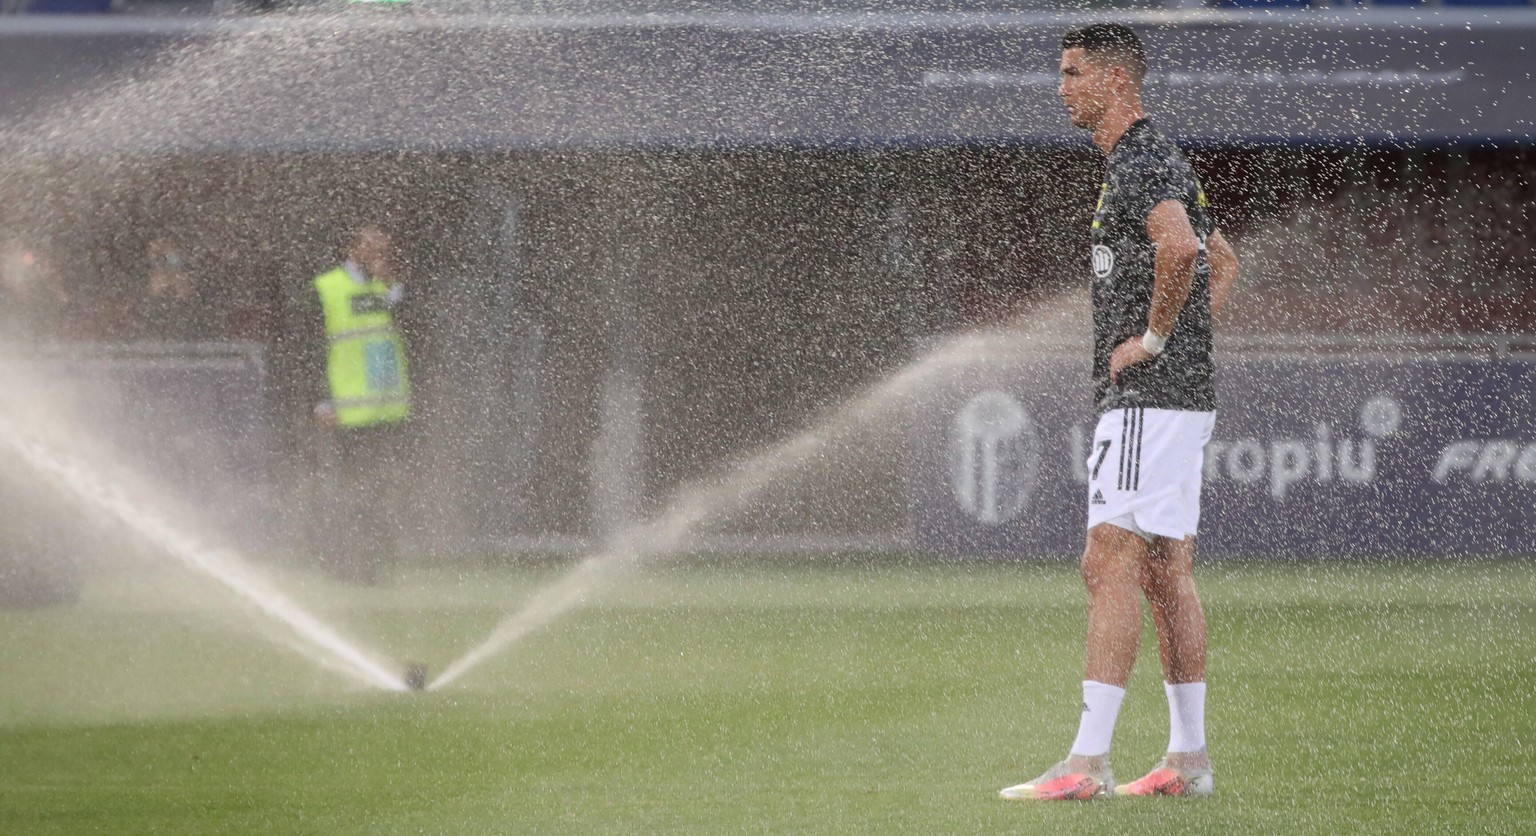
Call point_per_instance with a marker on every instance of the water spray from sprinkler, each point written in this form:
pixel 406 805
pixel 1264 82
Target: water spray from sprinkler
pixel 703 500
pixel 311 636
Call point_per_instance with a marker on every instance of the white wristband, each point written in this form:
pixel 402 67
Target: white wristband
pixel 1153 343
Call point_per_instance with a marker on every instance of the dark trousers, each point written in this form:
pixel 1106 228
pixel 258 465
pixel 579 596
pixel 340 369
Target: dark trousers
pixel 365 498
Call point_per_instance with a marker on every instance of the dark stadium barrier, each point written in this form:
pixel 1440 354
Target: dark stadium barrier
pixel 1324 456
pixel 188 420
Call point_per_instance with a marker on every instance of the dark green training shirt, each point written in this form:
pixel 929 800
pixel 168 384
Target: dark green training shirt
pixel 1143 170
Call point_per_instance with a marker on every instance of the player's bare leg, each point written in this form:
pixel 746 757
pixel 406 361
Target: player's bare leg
pixel 1168 581
pixel 1169 584
pixel 1112 567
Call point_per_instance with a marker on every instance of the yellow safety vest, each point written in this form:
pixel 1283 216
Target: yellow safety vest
pixel 366 361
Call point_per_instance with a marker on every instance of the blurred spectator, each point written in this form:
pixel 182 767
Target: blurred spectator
pixel 354 370
pixel 33 299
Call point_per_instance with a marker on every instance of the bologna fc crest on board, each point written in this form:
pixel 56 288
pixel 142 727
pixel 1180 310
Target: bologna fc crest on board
pixel 996 457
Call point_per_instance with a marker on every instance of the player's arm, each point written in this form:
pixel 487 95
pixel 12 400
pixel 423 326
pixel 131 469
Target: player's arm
pixel 1175 249
pixel 1224 269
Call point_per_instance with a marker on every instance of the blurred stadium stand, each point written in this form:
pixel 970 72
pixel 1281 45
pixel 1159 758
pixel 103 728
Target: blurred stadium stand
pixel 776 238
pixel 61 6
pixel 657 7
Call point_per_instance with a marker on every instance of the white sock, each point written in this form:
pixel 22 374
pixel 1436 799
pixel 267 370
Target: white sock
pixel 1101 705
pixel 1186 716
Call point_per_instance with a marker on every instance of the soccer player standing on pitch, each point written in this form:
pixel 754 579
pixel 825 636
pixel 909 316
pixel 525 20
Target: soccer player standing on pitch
pixel 1160 270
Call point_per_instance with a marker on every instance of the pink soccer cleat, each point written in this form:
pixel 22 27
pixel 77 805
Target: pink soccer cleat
pixel 1060 783
pixel 1165 780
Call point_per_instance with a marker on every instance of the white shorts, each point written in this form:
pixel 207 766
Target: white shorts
pixel 1144 470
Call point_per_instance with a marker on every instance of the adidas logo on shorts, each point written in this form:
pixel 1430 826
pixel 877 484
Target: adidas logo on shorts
pixel 1098 498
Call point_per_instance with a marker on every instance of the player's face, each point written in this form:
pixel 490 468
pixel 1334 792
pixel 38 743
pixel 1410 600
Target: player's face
pixel 1086 87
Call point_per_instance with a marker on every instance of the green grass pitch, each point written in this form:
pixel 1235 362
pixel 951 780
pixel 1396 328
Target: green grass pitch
pixel 770 698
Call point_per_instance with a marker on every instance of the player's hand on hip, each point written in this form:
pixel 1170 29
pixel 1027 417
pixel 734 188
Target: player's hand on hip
pixel 1128 353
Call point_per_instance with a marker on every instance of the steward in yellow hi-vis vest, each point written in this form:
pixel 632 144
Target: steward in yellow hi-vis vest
pixel 365 360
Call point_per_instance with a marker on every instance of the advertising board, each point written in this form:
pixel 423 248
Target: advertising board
pixel 1311 457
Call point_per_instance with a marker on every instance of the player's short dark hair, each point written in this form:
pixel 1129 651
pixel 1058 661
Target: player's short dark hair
pixel 1115 41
